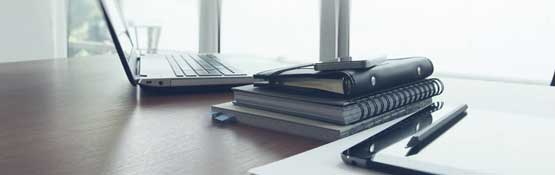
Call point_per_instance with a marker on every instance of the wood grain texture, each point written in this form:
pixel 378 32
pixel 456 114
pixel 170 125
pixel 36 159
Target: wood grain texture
pixel 81 116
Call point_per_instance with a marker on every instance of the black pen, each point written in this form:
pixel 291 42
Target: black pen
pixel 421 139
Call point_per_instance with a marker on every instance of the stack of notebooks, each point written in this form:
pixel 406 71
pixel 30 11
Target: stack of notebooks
pixel 329 105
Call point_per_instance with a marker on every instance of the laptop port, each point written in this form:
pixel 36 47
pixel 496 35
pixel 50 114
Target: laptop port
pixel 148 82
pixel 161 83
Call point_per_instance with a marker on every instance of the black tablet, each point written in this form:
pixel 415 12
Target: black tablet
pixel 478 141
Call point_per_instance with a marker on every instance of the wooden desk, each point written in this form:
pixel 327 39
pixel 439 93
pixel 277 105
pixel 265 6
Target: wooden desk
pixel 81 116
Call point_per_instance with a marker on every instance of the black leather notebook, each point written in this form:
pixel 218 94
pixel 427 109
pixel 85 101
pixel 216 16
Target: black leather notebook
pixel 391 73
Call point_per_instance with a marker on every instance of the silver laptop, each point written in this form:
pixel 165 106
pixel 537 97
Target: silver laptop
pixel 169 69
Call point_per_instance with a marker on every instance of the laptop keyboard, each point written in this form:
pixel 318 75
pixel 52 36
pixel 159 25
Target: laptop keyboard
pixel 200 65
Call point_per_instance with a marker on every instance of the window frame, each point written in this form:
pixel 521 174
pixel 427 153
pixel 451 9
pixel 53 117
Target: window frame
pixel 209 26
pixel 60 32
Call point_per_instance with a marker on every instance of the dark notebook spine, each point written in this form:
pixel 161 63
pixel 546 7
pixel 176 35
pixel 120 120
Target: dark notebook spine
pixel 379 103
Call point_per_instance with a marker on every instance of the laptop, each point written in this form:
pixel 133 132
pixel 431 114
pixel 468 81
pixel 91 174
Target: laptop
pixel 168 70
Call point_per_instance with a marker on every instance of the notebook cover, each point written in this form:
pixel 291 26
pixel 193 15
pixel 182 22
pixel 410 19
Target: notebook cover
pixel 309 96
pixel 391 73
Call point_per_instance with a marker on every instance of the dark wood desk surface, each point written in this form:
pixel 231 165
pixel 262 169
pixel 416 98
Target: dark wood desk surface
pixel 81 116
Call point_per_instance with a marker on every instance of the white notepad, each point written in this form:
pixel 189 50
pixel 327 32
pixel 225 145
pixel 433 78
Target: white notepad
pixel 324 159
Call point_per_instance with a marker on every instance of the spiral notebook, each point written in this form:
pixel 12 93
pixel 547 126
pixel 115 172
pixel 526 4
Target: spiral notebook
pixel 334 109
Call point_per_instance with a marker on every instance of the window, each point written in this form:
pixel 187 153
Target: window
pixel 178 20
pixel 288 28
pixel 498 39
pixel 87 31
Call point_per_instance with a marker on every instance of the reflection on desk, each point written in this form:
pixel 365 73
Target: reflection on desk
pixel 81 116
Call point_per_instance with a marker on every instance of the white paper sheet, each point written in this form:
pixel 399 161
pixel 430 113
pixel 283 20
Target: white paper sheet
pixel 323 160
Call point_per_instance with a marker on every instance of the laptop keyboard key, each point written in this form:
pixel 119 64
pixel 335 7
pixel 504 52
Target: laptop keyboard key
pixel 208 72
pixel 201 61
pixel 214 63
pixel 201 67
pixel 213 72
pixel 185 67
pixel 196 67
pixel 226 70
pixel 176 70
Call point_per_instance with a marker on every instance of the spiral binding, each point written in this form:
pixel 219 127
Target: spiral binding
pixel 392 99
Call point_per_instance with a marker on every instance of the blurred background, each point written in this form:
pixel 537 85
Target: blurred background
pixel 502 40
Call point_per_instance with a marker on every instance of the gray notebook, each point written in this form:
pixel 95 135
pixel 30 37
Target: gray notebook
pixel 310 128
pixel 335 109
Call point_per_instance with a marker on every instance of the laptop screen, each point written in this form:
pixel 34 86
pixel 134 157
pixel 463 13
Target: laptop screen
pixel 121 37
